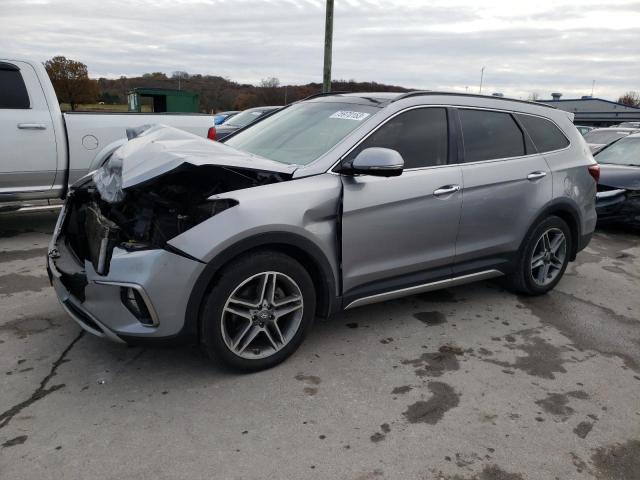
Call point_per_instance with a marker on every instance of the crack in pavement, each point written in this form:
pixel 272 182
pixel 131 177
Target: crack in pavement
pixel 41 391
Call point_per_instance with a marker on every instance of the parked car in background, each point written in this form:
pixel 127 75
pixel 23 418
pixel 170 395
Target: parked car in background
pixel 629 125
pixel 583 129
pixel 44 150
pixel 238 121
pixel 221 117
pixel 599 138
pixel 618 197
pixel 332 203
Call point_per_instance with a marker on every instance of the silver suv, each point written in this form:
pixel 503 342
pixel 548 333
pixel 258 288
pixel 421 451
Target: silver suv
pixel 334 202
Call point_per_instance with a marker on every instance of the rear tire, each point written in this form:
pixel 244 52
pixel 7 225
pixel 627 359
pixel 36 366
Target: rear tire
pixel 258 311
pixel 543 258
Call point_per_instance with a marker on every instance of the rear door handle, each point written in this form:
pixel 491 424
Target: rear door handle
pixel 446 190
pixel 32 126
pixel 536 175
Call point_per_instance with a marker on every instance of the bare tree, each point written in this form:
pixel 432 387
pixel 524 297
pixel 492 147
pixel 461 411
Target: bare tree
pixel 269 92
pixel 630 98
pixel 533 97
pixel 71 81
pixel 179 74
pixel 271 82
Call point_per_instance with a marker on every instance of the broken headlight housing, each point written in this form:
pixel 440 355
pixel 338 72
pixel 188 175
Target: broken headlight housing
pixel 108 180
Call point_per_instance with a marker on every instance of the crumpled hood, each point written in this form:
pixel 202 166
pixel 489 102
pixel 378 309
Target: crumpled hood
pixel 620 176
pixel 162 149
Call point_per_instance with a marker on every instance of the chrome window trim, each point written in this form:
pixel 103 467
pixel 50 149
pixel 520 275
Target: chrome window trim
pixel 330 170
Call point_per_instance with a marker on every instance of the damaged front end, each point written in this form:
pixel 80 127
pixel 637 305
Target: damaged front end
pixel 101 215
pixel 160 184
pixel 618 205
pixel 110 256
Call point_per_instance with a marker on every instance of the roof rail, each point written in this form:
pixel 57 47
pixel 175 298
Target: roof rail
pixel 419 93
pixel 322 94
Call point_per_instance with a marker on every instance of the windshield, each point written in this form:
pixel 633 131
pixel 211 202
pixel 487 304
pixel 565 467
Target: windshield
pixel 604 136
pixel 244 118
pixel 303 132
pixel 623 152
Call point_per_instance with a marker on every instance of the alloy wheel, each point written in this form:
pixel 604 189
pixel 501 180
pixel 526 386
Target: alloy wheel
pixel 262 315
pixel 549 256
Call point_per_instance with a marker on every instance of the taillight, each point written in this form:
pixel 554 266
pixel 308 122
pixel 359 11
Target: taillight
pixel 594 171
pixel 211 133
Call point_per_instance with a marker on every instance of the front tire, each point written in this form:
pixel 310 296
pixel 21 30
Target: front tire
pixel 543 258
pixel 258 311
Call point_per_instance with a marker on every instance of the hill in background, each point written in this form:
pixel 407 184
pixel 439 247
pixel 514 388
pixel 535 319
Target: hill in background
pixel 219 94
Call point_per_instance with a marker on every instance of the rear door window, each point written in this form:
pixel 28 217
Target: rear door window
pixel 13 93
pixel 419 135
pixel 490 135
pixel 545 134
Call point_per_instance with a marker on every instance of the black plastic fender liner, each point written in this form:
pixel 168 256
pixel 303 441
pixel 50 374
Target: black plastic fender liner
pixel 304 250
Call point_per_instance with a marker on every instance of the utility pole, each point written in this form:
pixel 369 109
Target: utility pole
pixel 481 78
pixel 328 41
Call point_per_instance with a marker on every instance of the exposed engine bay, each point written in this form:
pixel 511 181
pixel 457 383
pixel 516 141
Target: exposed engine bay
pixel 150 214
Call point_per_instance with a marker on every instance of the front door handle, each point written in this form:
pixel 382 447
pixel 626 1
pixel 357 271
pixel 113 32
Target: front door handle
pixel 32 126
pixel 446 190
pixel 536 175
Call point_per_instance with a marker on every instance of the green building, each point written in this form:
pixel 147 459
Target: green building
pixel 163 100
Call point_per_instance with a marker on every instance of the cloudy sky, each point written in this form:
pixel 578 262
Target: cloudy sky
pixel 540 46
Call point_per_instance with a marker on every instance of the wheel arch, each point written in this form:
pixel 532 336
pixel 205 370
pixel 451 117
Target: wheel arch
pixel 568 212
pixel 301 249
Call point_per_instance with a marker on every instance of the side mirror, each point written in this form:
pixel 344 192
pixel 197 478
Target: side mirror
pixel 381 162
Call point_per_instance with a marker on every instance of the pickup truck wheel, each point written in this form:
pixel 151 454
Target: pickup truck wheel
pixel 258 311
pixel 543 258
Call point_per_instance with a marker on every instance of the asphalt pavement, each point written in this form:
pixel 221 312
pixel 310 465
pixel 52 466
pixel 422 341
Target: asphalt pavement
pixel 468 383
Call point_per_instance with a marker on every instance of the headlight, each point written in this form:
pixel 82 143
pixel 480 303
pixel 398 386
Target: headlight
pixel 108 180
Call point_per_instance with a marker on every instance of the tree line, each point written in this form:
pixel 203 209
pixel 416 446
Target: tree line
pixel 73 86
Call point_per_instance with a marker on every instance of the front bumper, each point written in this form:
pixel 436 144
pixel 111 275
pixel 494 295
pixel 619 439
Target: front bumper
pixel 618 206
pixel 164 280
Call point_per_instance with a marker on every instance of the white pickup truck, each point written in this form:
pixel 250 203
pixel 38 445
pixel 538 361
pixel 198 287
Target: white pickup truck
pixel 43 150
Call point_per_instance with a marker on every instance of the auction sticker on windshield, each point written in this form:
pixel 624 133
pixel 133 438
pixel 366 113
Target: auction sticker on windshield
pixel 348 115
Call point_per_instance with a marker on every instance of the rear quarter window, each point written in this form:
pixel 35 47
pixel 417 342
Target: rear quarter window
pixel 13 93
pixel 546 136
